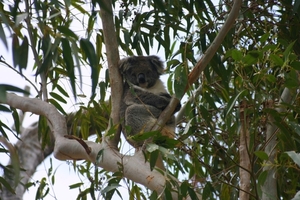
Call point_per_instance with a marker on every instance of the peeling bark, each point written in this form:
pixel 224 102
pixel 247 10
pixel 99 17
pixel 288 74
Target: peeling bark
pixel 113 58
pixel 245 165
pixel 269 188
pixel 102 155
pixel 30 154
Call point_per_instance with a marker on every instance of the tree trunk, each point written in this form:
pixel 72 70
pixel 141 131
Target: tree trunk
pixel 30 155
pixel 269 188
pixel 244 154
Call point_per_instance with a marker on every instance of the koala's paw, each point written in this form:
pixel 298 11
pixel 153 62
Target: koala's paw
pixel 166 95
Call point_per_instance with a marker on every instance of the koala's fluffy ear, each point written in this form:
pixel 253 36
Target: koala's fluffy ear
pixel 157 63
pixel 122 65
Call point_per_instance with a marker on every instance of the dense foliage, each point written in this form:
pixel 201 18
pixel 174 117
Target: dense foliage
pixel 239 96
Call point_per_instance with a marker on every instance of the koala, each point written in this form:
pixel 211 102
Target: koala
pixel 144 97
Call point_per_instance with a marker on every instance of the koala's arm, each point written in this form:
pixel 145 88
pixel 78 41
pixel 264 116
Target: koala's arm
pixel 160 101
pixel 137 96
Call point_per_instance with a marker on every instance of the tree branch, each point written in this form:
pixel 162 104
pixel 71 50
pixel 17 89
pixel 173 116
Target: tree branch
pixel 269 189
pixel 202 63
pixel 113 58
pixel 134 167
pixel 245 164
pixel 30 154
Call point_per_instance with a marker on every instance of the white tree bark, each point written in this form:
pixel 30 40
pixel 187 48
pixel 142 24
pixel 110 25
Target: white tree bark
pixel 30 154
pixel 269 188
pixel 135 167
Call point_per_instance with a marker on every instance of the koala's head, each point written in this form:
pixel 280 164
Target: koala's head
pixel 142 71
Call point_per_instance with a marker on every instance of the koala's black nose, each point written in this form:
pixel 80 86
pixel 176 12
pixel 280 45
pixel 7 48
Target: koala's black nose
pixel 141 78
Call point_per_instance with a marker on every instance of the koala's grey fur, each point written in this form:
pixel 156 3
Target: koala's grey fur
pixel 144 97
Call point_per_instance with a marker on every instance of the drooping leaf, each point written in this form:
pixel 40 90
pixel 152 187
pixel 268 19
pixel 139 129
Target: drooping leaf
pixel 180 81
pixel 232 102
pixel 4 108
pixel 90 53
pixel 58 97
pixel 7 185
pixel 23 51
pixel 67 32
pixel 154 155
pixel 58 106
pixel 276 59
pixel 3 36
pixel 262 155
pixel 4 88
pixel 15 50
pixel 16 120
pixel 69 63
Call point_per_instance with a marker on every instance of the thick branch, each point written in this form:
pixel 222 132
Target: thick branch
pixel 30 154
pixel 110 38
pixel 210 52
pixel 134 167
pixel 202 63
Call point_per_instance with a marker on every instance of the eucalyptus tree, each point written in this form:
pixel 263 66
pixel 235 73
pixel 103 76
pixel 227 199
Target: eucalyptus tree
pixel 234 65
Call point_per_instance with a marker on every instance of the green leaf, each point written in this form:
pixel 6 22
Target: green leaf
pixel 4 108
pixel 294 156
pixel 262 155
pixel 295 65
pixel 23 51
pixel 184 188
pixel 75 52
pixel 3 36
pixel 57 97
pixel 76 185
pixel 99 156
pixel 232 102
pixel 173 63
pixel 192 193
pixel 288 50
pixel 15 50
pixel 276 59
pixel 62 90
pixel 16 120
pixel 4 88
pixel 271 78
pixel 180 81
pixel 262 178
pixel 250 59
pixel 103 89
pixel 89 51
pixel 53 102
pixel 264 37
pixel 6 185
pixel 110 187
pixel 154 155
pixel 67 32
pixel 47 63
pixel 69 63
pixel 144 136
pixel 99 42
pixel 236 55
